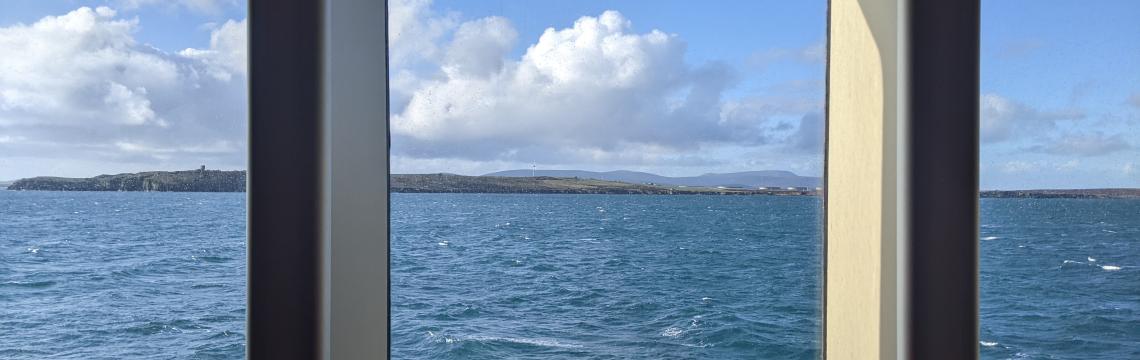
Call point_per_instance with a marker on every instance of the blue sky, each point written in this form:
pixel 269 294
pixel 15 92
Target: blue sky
pixel 687 90
pixel 1072 69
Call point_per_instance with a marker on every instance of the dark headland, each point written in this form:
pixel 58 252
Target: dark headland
pixel 200 180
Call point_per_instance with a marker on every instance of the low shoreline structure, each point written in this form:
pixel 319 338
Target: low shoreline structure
pixel 200 180
pixel 1063 194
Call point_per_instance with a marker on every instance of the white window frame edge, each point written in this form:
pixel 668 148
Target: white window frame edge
pixel 862 173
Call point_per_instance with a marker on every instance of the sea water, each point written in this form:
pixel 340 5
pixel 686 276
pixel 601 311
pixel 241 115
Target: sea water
pixel 87 275
pixel 162 275
pixel 1060 278
pixel 605 276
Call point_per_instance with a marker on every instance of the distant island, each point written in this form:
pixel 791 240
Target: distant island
pixel 1064 193
pixel 200 180
pixel 744 179
pixel 451 183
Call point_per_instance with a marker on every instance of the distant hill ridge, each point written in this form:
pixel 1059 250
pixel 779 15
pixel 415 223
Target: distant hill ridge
pixel 746 179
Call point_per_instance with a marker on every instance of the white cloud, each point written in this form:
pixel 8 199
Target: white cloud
pixel 479 48
pixel 130 106
pixel 226 56
pixel 82 84
pixel 414 30
pixel 594 92
pixel 83 67
pixel 1128 169
pixel 1004 119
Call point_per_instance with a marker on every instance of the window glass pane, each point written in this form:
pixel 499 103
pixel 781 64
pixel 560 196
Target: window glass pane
pixel 148 260
pixel 606 179
pixel 1060 107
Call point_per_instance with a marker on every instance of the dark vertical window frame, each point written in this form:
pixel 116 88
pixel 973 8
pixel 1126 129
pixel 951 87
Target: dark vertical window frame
pixel 941 177
pixel 285 179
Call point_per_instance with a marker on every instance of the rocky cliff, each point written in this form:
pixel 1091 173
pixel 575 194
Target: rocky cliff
pixel 187 181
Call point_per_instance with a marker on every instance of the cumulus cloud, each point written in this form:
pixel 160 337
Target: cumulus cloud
pixel 478 48
pixel 414 30
pixel 1003 119
pixel 226 56
pixel 595 92
pixel 83 88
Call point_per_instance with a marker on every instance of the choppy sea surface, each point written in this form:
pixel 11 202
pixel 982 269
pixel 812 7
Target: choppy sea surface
pixel 1060 279
pixel 162 275
pixel 604 276
pixel 122 275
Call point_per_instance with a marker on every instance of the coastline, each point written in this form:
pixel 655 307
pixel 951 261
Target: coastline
pixel 1117 193
pixel 202 180
pixel 450 183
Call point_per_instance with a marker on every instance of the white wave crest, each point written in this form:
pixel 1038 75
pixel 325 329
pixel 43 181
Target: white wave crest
pixel 481 338
pixel 672 332
pixel 1110 268
pixel 535 342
